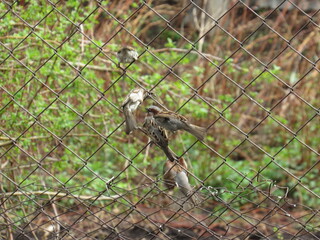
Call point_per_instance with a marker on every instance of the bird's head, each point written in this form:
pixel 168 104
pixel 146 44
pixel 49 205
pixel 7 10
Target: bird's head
pixel 153 110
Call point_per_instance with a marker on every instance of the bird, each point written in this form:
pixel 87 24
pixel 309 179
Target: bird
pixel 130 105
pixel 158 136
pixel 175 174
pixel 173 121
pixel 127 55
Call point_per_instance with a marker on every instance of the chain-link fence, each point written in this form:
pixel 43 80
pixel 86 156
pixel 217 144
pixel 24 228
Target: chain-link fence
pixel 246 71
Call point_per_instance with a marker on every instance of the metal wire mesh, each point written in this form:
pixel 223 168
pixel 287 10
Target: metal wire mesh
pixel 248 73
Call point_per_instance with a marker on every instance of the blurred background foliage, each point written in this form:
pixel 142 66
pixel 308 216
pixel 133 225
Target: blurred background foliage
pixel 61 93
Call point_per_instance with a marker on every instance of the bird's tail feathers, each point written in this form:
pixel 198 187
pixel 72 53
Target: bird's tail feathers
pixel 183 183
pixel 198 132
pixel 170 154
pixel 131 123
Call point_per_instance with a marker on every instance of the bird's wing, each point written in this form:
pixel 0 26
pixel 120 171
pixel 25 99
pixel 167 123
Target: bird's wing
pixel 172 115
pixel 126 100
pixel 135 95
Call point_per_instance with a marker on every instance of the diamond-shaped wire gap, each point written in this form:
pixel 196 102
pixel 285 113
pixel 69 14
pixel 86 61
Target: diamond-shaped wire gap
pixel 266 97
pixel 305 233
pixel 121 38
pixel 218 92
pixel 170 55
pixel 127 31
pixel 288 112
pixel 310 182
pixel 298 158
pixel 175 18
pixel 175 73
pixel 92 230
pixel 124 165
pixel 238 69
pixel 14 31
pixel 4 9
pixel 308 89
pixel 279 224
pixel 100 116
pixel 83 11
pixel 148 23
pixel 108 23
pixel 122 13
pixel 107 31
pixel 161 12
pixel 307 216
pixel 86 185
pixel 81 211
pixel 6 101
pixel 19 76
pixel 79 96
pixel 89 52
pixel 4 55
pixel 129 226
pixel 279 19
pixel 226 215
pixel 174 31
pixel 277 219
pixel 56 75
pixel 309 133
pixel 264 41
pixel 11 216
pixel 54 30
pixel 302 214
pixel 195 218
pixel 20 222
pixel 183 224
pixel 159 70
pixel 30 54
pixel 244 113
pixel 23 11
pixel 243 226
pixel 265 24
pixel 227 135
pixel 42 218
pixel 15 120
pixel 292 64
pixel 221 46
pixel 83 141
pixel 80 224
pixel 287 218
pixel 168 228
pixel 38 143
pixel 58 118
pixel 240 22
pixel 263 136
pixel 305 39
pixel 17 165
pixel 147 214
pixel 85 33
pixel 280 171
pixel 78 55
pixel 34 97
pixel 246 194
pixel 131 212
